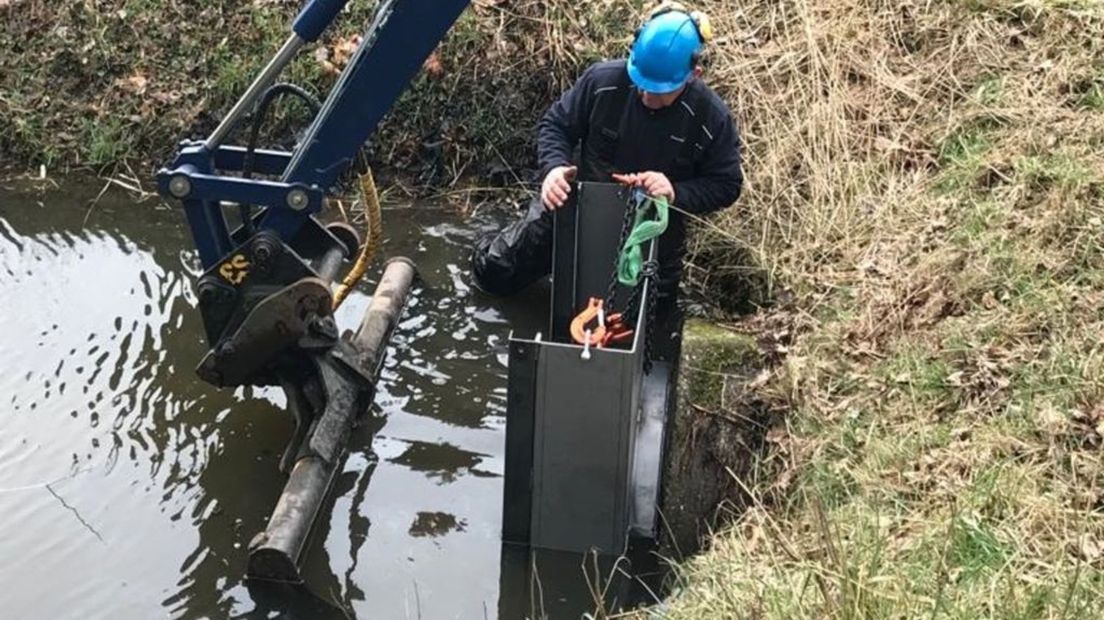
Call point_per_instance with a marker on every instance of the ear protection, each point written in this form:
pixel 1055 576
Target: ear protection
pixel 701 22
pixel 700 19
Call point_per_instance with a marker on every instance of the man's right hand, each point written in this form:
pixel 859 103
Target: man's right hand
pixel 556 186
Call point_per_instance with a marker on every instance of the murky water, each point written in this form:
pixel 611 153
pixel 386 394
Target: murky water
pixel 130 489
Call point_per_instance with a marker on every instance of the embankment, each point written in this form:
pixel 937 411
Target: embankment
pixel 926 195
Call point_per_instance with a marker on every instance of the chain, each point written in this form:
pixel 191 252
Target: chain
pixel 651 276
pixel 631 207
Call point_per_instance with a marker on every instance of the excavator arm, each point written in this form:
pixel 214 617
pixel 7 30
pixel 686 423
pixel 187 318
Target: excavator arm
pixel 400 38
pixel 266 292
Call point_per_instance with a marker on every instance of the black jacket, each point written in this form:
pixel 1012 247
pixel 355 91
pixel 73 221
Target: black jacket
pixel 694 142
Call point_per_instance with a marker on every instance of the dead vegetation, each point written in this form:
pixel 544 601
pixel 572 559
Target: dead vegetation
pixel 927 183
pixel 926 193
pixel 92 83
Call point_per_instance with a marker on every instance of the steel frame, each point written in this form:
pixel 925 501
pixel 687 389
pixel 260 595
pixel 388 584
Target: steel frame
pixel 394 48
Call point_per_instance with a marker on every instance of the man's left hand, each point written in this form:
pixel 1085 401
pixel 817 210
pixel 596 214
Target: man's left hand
pixel 655 183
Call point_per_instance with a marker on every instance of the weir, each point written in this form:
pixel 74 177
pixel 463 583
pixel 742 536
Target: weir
pixel 585 427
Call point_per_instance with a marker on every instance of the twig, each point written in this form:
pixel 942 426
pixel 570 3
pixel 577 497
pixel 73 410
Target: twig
pixel 539 591
pixel 733 417
pixel 41 485
pixel 95 202
pixel 77 514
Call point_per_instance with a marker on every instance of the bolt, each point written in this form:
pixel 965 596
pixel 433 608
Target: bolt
pixel 298 199
pixel 180 186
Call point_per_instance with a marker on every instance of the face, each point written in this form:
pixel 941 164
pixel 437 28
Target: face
pixel 654 101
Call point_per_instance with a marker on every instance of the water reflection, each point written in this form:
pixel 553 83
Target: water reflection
pixel 129 488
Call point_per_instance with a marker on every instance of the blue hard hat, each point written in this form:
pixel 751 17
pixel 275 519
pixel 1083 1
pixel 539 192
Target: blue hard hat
pixel 662 56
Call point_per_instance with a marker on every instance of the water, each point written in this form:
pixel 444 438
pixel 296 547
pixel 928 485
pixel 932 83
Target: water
pixel 130 489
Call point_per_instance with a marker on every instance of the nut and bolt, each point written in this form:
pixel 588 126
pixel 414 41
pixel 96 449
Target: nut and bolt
pixel 298 199
pixel 180 186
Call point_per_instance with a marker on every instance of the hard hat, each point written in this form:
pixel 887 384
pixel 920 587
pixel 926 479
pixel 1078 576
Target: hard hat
pixel 667 47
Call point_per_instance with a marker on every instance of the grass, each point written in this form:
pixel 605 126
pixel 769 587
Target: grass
pixel 925 208
pixel 498 68
pixel 925 180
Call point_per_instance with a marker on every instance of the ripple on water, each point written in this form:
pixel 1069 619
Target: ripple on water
pixel 157 481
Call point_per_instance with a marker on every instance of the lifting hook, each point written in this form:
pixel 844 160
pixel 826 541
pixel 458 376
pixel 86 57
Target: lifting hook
pixel 610 328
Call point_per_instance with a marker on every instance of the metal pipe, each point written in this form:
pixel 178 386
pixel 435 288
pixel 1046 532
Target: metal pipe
pixel 383 313
pixel 329 263
pixel 267 76
pixel 275 553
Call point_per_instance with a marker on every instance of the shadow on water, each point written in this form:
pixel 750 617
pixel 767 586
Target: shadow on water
pixel 130 489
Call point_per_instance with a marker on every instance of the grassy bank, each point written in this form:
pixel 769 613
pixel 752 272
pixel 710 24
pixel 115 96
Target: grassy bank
pixel 927 180
pixel 926 193
pixel 118 82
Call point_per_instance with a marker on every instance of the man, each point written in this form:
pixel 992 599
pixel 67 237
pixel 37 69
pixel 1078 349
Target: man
pixel 650 122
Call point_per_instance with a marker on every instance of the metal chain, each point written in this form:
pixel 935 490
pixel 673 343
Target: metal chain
pixel 651 276
pixel 631 308
pixel 631 207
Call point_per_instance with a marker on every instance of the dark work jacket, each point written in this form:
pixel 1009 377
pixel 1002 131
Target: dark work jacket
pixel 694 142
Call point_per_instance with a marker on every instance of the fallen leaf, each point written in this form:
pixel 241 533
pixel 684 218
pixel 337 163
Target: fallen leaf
pixel 135 84
pixel 433 66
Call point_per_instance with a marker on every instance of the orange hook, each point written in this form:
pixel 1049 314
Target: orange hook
pixel 616 331
pixel 579 325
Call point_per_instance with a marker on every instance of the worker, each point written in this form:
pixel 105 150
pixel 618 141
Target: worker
pixel 648 121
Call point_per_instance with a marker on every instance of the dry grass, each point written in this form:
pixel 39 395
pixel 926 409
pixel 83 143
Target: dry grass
pixel 927 181
pixel 138 75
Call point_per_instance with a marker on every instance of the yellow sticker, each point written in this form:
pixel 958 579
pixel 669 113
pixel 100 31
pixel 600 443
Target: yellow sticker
pixel 235 270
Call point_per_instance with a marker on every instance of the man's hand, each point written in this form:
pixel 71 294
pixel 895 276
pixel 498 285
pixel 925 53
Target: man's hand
pixel 655 183
pixel 556 186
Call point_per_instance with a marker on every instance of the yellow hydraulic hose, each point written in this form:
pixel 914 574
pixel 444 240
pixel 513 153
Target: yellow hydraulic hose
pixel 369 197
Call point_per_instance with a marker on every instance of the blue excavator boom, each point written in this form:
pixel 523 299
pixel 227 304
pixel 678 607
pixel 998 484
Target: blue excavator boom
pixel 266 291
pixel 400 38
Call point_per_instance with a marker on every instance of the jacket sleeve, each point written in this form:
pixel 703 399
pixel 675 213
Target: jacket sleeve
pixel 564 125
pixel 719 177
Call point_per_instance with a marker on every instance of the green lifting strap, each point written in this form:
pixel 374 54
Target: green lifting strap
pixel 648 224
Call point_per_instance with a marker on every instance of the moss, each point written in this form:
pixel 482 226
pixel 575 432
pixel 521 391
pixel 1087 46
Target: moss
pixel 710 356
pixel 717 433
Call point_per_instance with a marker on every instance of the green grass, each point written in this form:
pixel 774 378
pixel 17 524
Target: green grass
pixel 962 157
pixel 501 66
pixel 941 457
pixel 1093 97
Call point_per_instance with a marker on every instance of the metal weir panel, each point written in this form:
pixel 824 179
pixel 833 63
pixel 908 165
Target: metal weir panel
pixel 584 431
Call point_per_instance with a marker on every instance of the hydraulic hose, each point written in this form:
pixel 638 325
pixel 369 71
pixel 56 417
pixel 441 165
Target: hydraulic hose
pixel 373 216
pixel 274 91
